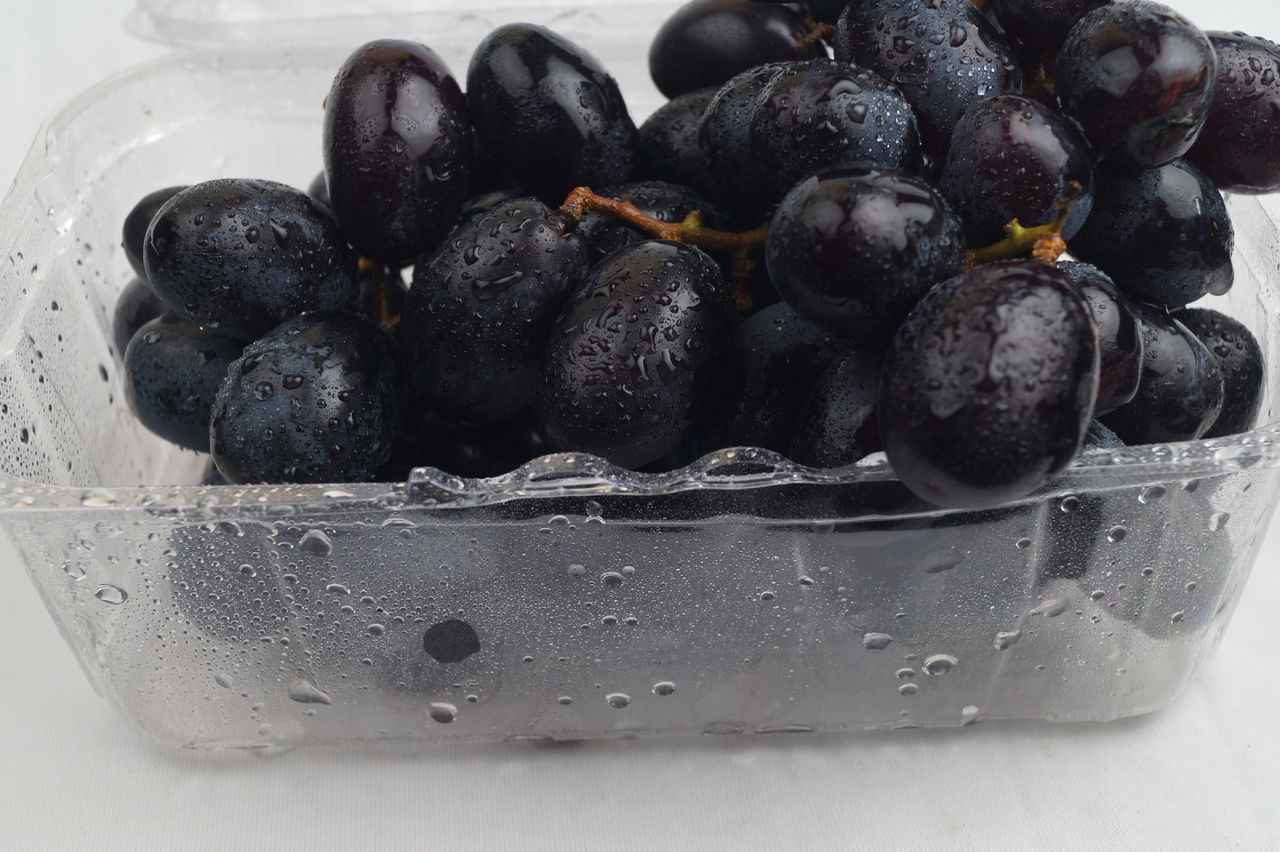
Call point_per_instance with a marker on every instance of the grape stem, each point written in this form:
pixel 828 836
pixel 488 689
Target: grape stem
pixel 1044 242
pixel 740 246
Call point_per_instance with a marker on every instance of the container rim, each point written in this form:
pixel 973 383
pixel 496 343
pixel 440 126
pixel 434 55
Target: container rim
pixel 556 475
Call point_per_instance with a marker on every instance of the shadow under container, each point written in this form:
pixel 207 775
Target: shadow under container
pixel 568 599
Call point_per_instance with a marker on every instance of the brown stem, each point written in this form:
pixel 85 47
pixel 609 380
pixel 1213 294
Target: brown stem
pixel 741 264
pixel 981 4
pixel 815 31
pixel 582 201
pixel 1044 242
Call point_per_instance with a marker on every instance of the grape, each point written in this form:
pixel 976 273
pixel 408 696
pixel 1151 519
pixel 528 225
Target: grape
pixel 138 305
pixel 242 256
pixel 943 55
pixel 1181 390
pixel 136 224
pixel 397 149
pixel 666 202
pixel 638 361
pixel 853 249
pixel 172 374
pixel 988 387
pixel 549 112
pixel 1119 335
pixel 781 356
pixel 1013 158
pixel 824 113
pixel 837 425
pixel 724 138
pixel 1163 235
pixel 708 41
pixel 481 309
pixel 1138 78
pixel 312 401
pixel 1042 25
pixel 1239 358
pixel 1239 146
pixel 667 143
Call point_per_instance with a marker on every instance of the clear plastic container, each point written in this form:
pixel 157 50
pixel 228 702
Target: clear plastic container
pixel 568 599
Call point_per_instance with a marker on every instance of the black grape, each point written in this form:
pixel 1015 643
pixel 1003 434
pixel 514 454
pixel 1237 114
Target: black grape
pixel 242 256
pixel 138 305
pixel 853 249
pixel 397 149
pixel 1239 358
pixel 481 309
pixel 639 358
pixel 172 373
pixel 824 113
pixel 1138 78
pixel 706 42
pixel 1041 25
pixel 724 138
pixel 136 223
pixel 1239 146
pixel 1119 335
pixel 1163 235
pixel 1013 158
pixel 549 112
pixel 943 54
pixel 781 356
pixel 989 385
pixel 312 401
pixel 1180 394
pixel 837 425
pixel 667 143
pixel 666 202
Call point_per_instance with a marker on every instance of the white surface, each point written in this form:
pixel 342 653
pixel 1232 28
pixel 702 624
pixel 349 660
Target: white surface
pixel 1203 774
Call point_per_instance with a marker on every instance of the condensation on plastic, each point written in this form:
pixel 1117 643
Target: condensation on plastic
pixel 742 594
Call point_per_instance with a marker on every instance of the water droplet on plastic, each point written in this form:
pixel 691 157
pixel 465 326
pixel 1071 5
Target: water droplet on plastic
pixel 1151 494
pixel 74 570
pixel 248 570
pixel 905 674
pixel 376 629
pixel 612 579
pixel 1023 543
pixel 442 712
pixel 316 543
pixel 805 580
pixel 618 700
pixel 969 710
pixel 564 700
pixel 939 664
pixel 1051 608
pixel 1069 504
pixel 876 641
pixel 576 570
pixel 111 594
pixel 337 589
pixel 306 692
pixel 1177 616
pixel 767 596
pixel 942 560
pixel 1006 639
pixel 223 680
pixel 908 689
pixel 1116 534
pixel 664 687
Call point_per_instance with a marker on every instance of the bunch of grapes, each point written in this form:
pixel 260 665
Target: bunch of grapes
pixel 846 233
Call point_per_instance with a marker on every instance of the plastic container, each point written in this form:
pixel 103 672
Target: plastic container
pixel 568 599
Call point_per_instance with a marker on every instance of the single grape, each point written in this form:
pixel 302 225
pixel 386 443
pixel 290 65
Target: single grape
pixel 1163 235
pixel 1119 335
pixel 136 223
pixel 312 401
pixel 823 113
pixel 242 256
pixel 781 356
pixel 397 149
pixel 837 425
pixel 988 387
pixel 549 112
pixel 1239 358
pixel 640 357
pixel 1138 78
pixel 705 42
pixel 1041 25
pixel 172 373
pixel 667 143
pixel 724 138
pixel 853 249
pixel 666 202
pixel 138 305
pixel 1013 158
pixel 942 54
pixel 1239 146
pixel 1180 394
pixel 481 310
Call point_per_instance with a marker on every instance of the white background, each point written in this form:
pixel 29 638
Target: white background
pixel 1204 773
